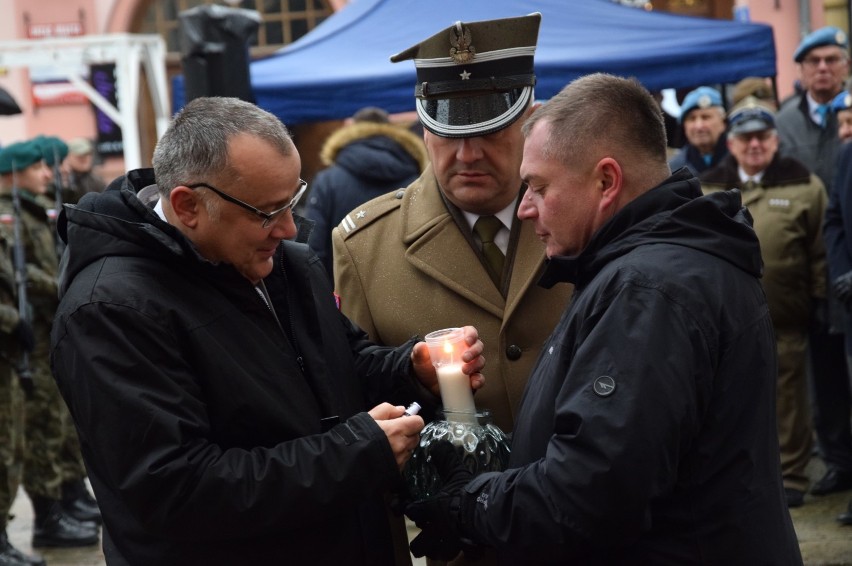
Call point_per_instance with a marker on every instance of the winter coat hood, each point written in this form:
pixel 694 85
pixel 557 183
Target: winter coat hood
pixel 376 152
pixel 121 222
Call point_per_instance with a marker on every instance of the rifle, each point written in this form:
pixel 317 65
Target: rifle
pixel 57 192
pixel 20 263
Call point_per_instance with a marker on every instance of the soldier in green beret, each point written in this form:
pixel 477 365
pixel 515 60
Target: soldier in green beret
pixel 76 499
pixel 15 334
pixel 54 151
pixel 22 166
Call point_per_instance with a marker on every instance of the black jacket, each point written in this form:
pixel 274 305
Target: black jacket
pixel 204 440
pixel 646 434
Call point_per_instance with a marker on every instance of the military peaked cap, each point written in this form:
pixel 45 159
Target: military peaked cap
pixel 475 78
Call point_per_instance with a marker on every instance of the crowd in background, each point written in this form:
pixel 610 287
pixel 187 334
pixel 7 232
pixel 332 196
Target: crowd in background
pixel 790 159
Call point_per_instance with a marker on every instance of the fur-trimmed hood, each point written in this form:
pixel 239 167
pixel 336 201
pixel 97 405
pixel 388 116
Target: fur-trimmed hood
pixel 347 135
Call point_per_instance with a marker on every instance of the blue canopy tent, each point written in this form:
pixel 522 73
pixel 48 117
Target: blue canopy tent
pixel 343 64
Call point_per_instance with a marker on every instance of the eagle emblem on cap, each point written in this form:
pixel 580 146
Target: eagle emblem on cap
pixel 462 50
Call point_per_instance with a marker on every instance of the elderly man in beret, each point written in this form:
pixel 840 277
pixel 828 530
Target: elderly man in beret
pixel 806 127
pixel 703 117
pixel 47 426
pixel 449 250
pixel 808 131
pixel 788 204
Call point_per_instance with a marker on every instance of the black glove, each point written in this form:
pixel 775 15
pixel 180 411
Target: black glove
pixel 842 287
pixel 24 333
pixel 438 517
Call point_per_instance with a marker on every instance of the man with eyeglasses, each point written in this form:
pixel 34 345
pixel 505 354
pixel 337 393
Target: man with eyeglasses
pixel 807 129
pixel 823 60
pixel 220 396
pixel 787 203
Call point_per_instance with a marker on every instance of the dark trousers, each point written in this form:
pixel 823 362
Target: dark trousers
pixel 832 400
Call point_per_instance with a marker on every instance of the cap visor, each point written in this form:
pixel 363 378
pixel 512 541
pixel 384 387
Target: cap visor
pixel 750 126
pixel 469 116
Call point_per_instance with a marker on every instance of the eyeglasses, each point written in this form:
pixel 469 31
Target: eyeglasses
pixel 268 217
pixel 830 61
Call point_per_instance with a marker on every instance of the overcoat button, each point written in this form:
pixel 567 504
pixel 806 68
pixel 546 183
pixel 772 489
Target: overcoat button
pixel 513 352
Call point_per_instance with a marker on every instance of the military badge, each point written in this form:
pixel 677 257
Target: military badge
pixel 462 50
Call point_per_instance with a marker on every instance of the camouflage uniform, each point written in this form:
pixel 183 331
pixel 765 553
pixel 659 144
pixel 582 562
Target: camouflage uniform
pixel 47 419
pixel 11 395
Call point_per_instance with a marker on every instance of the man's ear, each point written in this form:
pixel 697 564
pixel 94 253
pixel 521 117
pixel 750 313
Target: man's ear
pixel 186 205
pixel 610 183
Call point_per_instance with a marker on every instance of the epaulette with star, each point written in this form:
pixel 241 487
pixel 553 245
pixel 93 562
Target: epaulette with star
pixel 369 212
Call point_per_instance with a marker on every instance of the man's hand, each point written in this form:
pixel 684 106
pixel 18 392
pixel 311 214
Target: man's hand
pixel 438 517
pixel 403 432
pixel 842 287
pixel 474 362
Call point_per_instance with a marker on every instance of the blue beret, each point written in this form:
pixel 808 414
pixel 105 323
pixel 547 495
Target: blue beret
pixel 52 148
pixel 829 35
pixel 842 101
pixel 702 97
pixel 19 156
pixel 751 115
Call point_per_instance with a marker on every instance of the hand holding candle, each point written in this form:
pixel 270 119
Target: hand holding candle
pixel 471 359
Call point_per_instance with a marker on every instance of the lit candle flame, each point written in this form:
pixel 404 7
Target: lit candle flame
pixel 448 349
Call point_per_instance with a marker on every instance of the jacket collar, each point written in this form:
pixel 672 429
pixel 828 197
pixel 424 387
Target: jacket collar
pixel 781 171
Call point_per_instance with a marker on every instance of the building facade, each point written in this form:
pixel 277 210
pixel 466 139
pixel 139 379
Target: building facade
pixel 53 108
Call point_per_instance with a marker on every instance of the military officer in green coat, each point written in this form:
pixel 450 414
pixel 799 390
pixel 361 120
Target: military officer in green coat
pixel 449 250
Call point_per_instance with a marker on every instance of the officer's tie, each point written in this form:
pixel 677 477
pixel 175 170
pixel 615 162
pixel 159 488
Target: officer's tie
pixel 822 110
pixel 486 228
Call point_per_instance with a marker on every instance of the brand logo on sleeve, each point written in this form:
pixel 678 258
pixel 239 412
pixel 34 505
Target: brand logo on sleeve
pixel 604 386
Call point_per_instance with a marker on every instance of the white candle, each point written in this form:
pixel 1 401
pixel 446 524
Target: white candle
pixel 455 393
pixel 446 348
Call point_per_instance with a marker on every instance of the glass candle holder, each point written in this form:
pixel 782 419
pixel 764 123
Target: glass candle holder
pixel 481 445
pixel 446 348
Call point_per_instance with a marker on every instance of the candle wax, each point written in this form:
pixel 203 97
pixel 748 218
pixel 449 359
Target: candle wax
pixel 455 390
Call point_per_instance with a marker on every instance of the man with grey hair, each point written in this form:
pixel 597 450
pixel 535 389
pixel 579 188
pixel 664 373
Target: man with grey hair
pixel 646 434
pixel 219 394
